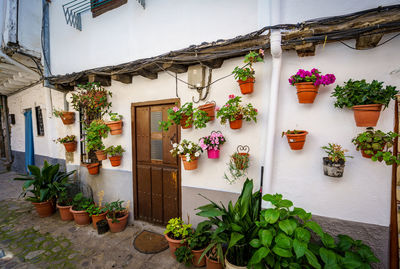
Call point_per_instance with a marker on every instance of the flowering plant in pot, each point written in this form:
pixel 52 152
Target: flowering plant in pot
pixel 115 123
pixel 97 211
pixel 245 75
pixel 176 232
pixel 198 242
pixel 235 113
pixel 308 82
pixel 115 154
pixel 44 184
pixel 366 99
pixel 237 167
pixel 334 163
pixel 80 204
pixel 212 144
pixel 295 138
pixel 186 116
pixel 117 216
pixel 189 153
pixel 66 116
pixel 95 132
pixel 69 142
pixel 376 145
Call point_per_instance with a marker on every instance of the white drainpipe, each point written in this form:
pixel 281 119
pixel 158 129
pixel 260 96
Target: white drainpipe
pixel 276 52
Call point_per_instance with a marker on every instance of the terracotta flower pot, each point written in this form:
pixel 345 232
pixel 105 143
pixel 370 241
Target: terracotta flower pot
pixel 67 117
pixel 306 92
pixel 65 213
pixel 367 115
pixel 96 218
pixel 173 245
pixel 209 109
pixel 192 165
pixel 119 226
pixel 247 86
pixel 196 258
pixel 236 124
pixel 115 127
pixel 228 265
pixel 81 217
pixel 213 153
pixel 44 209
pixel 115 160
pixel 93 168
pixel 183 123
pixel 296 141
pixel 211 264
pixel 101 155
pixel 70 146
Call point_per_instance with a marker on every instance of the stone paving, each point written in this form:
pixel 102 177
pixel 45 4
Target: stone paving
pixel 32 242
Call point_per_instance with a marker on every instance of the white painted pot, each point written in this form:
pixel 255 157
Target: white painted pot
pixel 228 265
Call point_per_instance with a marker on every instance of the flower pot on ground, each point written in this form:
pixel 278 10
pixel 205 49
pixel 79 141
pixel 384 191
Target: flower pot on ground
pixel 209 108
pixel 64 204
pixel 189 152
pixel 115 154
pixel 79 206
pixel 228 265
pixel 234 112
pixel 296 138
pixel 69 142
pixel 44 209
pixel 65 213
pixel 198 242
pixel 366 99
pixel 115 124
pixel 213 264
pixel 307 84
pixel 93 168
pixel 212 144
pixel 117 216
pixel 245 75
pixel 66 116
pixel 335 162
pixel 175 232
pixel 96 211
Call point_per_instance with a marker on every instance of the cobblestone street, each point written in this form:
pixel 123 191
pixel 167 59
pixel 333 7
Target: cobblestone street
pixel 32 242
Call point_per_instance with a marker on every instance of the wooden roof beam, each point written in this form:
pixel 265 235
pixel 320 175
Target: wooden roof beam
pixel 147 74
pixel 304 50
pixel 65 88
pixel 213 64
pixel 124 78
pixel 176 68
pixel 103 80
pixel 368 41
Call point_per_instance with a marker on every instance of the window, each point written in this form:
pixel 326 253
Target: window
pixel 39 121
pixel 99 7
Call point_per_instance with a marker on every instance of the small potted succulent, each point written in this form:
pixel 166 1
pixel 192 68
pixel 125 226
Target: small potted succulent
pixel 176 233
pixel 64 204
pixel 189 153
pixel 209 108
pixel 115 154
pixel 96 131
pixel 212 143
pixel 245 75
pixel 308 82
pixel 366 99
pixel 296 138
pixel 96 211
pixel 198 242
pixel 69 142
pixel 66 116
pixel 115 124
pixel 335 162
pixel 186 116
pixel 235 113
pixel 117 216
pixel 376 145
pixel 79 206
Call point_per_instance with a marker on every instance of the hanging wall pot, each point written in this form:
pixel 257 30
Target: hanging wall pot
pixel 296 138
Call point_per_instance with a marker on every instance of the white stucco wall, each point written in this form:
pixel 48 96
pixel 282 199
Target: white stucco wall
pixel 30 24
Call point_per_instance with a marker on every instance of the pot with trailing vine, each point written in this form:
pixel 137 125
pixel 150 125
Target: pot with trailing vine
pixel 366 100
pixel 115 124
pixel 80 204
pixel 335 162
pixel 117 216
pixel 176 233
pixel 245 75
pixel 189 152
pixel 209 108
pixel 66 116
pixel 212 144
pixel 296 138
pixel 93 168
pixel 115 154
pixel 69 142
pixel 234 113
pixel 307 84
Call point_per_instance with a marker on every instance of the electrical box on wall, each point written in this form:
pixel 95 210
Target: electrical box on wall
pixel 196 76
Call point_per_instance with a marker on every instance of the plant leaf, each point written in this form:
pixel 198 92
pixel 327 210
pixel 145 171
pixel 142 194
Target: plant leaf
pixel 260 254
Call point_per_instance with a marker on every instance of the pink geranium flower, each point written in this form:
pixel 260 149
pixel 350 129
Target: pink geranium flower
pixel 231 96
pixel 175 108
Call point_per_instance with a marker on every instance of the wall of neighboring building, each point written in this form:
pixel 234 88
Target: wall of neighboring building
pixel 30 25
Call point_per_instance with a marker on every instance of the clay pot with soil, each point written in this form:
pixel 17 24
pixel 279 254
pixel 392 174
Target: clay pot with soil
pixel 101 155
pixel 247 86
pixel 367 115
pixel 306 92
pixel 296 138
pixel 117 222
pixel 44 209
pixel 67 117
pixel 192 165
pixel 237 123
pixel 93 168
pixel 209 108
pixel 65 212
pixel 81 217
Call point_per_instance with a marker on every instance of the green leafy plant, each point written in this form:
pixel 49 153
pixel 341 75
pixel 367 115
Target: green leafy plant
pixel 243 73
pixel 115 116
pixel 201 236
pixel 81 203
pixel 44 184
pixel 95 132
pixel 63 198
pixel 115 210
pixel 360 92
pixel 184 255
pixel 187 148
pixel 66 139
pixel 93 209
pixel 336 153
pixel 115 150
pixel 284 241
pixel 233 110
pixel 237 167
pixel 57 113
pixel 177 229
pixel 377 144
pixel 236 225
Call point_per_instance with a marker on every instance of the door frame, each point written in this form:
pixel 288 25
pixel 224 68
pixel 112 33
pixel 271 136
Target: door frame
pixel 134 161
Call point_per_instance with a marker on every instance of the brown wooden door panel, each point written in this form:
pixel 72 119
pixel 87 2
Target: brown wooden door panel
pixel 143 134
pixel 169 136
pixel 144 191
pixel 157 195
pixel 170 188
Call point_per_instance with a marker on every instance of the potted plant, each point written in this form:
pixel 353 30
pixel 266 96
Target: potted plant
pixel 296 138
pixel 175 233
pixel 64 204
pixel 245 75
pixel 213 260
pixel 115 154
pixel 376 145
pixel 366 99
pixel 235 113
pixel 189 153
pixel 96 211
pixel 44 185
pixel 115 124
pixel 184 255
pixel 237 167
pixel 212 143
pixel 209 108
pixel 93 168
pixel 69 142
pixel 96 131
pixel 117 216
pixel 198 242
pixel 186 116
pixel 334 163
pixel 79 206
pixel 308 82
pixel 66 116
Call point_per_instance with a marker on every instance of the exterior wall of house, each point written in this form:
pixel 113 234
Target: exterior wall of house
pixel 30 25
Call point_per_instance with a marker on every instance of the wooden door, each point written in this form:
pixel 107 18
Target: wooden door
pixel 156 174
